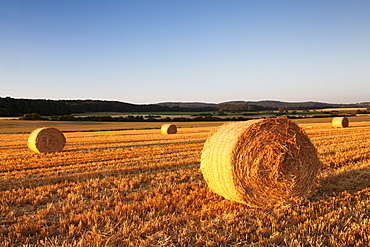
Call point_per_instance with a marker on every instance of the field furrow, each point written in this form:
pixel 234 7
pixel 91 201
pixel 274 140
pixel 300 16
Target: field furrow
pixel 142 188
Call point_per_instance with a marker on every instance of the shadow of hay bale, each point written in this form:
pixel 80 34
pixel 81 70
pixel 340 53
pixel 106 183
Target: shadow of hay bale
pixel 351 181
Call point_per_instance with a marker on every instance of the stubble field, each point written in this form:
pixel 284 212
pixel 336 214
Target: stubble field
pixel 142 188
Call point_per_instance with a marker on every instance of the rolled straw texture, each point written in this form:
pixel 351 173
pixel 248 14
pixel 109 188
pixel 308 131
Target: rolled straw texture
pixel 340 122
pixel 46 140
pixel 261 162
pixel 169 129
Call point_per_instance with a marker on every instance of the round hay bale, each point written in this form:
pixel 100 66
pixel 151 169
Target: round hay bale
pixel 46 140
pixel 261 162
pixel 340 122
pixel 169 129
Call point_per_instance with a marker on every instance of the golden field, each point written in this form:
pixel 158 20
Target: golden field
pixel 142 188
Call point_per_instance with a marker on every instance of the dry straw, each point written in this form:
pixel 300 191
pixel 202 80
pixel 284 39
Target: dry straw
pixel 169 129
pixel 261 162
pixel 340 122
pixel 46 140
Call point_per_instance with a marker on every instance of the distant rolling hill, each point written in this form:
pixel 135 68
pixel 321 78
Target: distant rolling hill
pixel 187 104
pixel 269 104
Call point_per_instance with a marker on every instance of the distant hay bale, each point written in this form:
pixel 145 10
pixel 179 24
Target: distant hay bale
pixel 169 129
pixel 46 140
pixel 340 122
pixel 261 162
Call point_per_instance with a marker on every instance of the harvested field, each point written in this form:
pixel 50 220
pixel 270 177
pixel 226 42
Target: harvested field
pixel 142 188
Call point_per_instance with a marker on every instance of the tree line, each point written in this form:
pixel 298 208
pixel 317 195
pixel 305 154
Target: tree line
pixel 17 107
pixel 10 107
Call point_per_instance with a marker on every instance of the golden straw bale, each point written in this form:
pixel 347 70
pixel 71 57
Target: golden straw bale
pixel 46 140
pixel 340 122
pixel 261 162
pixel 169 129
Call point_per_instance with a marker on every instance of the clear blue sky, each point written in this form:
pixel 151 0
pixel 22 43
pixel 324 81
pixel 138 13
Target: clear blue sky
pixel 146 51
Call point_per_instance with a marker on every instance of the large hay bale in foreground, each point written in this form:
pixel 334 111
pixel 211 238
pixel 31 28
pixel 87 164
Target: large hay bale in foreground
pixel 169 129
pixel 46 140
pixel 340 122
pixel 261 162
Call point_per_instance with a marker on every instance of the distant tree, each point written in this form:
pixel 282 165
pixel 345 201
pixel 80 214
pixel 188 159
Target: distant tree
pixel 32 116
pixel 221 112
pixel 4 112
